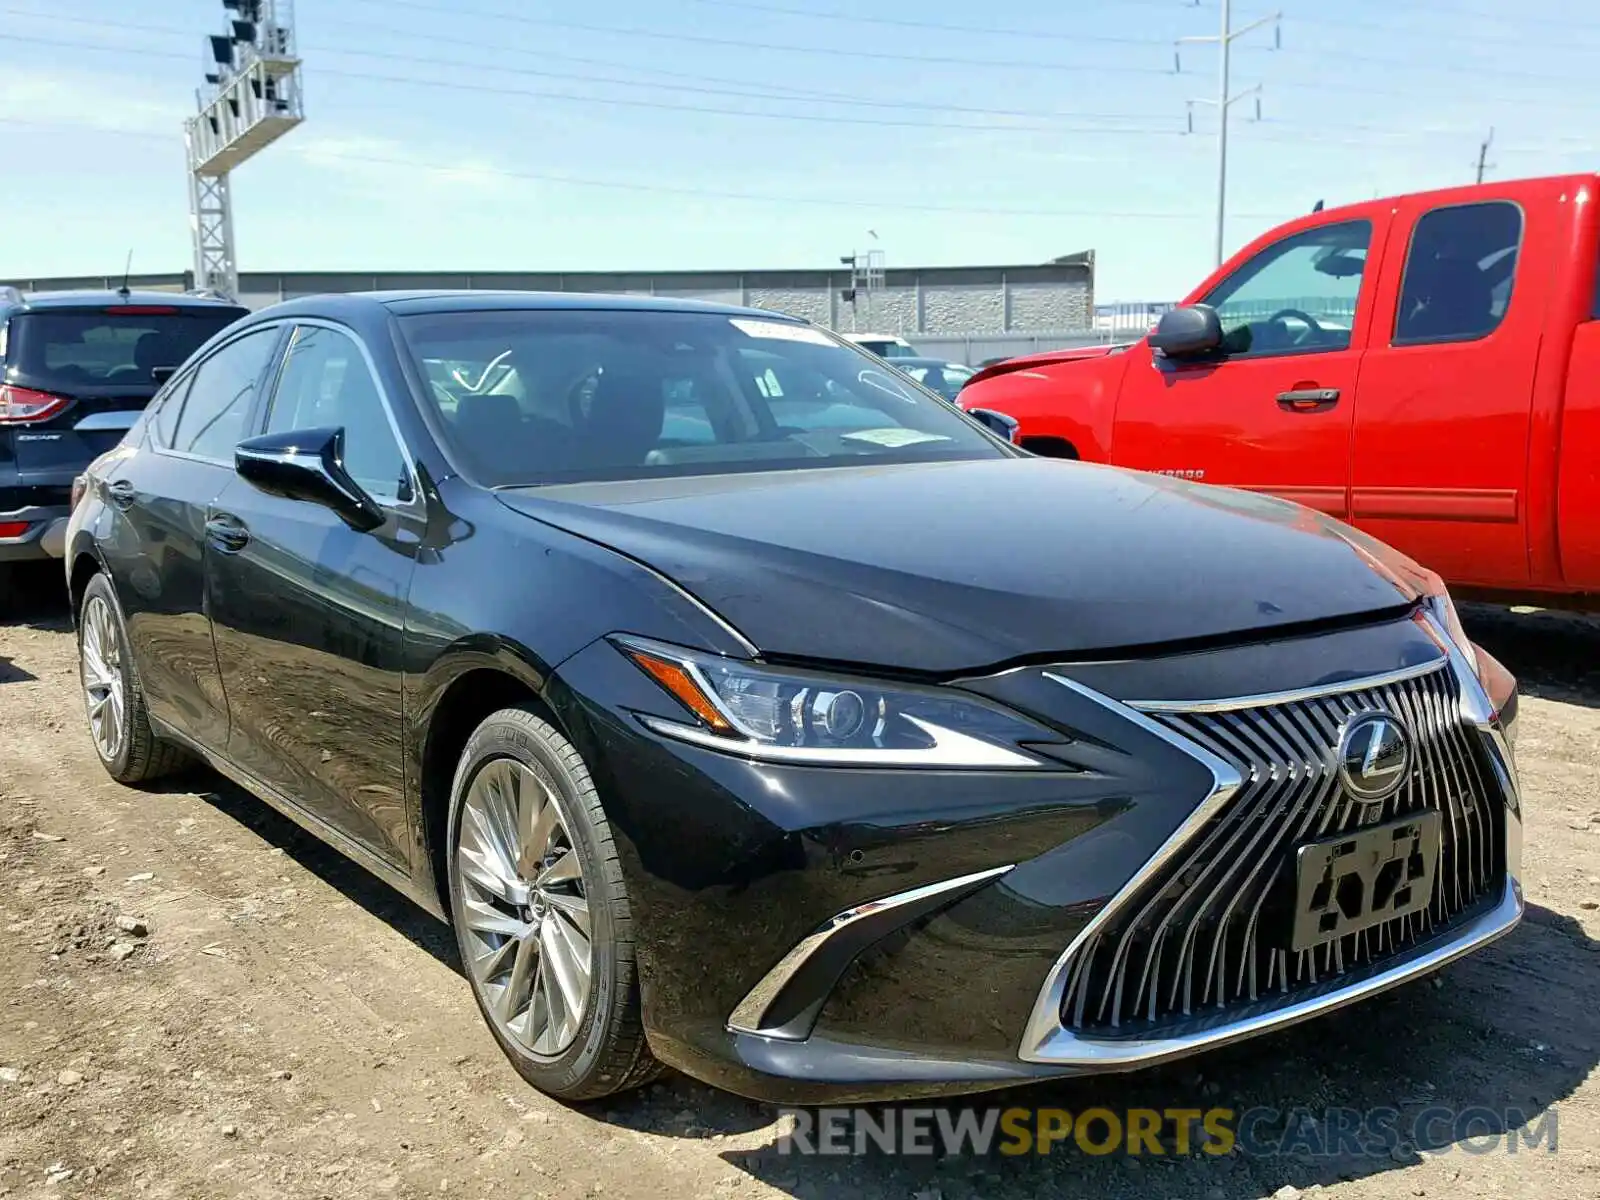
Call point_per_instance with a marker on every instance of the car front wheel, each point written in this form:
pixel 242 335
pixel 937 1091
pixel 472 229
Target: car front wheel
pixel 541 913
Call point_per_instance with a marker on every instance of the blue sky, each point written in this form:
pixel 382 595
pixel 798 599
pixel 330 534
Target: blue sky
pixel 662 134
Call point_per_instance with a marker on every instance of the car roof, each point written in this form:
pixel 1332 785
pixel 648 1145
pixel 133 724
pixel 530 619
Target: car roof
pixel 908 360
pixel 108 298
pixel 875 337
pixel 409 303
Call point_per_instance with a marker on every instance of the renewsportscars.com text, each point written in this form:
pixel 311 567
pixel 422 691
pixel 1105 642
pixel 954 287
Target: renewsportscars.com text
pixel 1254 1132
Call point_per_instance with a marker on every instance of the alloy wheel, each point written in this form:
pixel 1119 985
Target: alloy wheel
pixel 100 662
pixel 525 907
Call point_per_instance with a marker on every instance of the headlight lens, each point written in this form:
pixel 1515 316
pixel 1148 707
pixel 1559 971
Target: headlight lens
pixel 1444 609
pixel 797 716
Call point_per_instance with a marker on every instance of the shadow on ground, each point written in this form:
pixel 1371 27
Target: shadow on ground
pixel 34 594
pixel 1554 655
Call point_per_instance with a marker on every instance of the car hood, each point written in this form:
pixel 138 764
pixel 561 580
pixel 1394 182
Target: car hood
pixel 953 566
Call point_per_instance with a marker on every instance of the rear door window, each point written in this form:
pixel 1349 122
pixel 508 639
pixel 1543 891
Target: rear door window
pixel 1460 271
pixel 112 347
pixel 214 412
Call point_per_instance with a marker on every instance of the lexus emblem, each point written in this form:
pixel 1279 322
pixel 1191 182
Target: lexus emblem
pixel 1374 756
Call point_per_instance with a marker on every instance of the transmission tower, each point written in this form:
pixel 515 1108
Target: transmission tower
pixel 1226 99
pixel 251 98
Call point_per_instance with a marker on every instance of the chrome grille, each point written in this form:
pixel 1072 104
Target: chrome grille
pixel 1211 930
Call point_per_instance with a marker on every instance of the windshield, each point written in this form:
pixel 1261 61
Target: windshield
pixel 548 396
pixel 63 349
pixel 945 378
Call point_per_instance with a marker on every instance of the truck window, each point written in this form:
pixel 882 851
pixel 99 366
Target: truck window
pixel 1459 273
pixel 1298 296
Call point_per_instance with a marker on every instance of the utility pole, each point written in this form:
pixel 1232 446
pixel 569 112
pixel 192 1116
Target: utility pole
pixel 1225 98
pixel 1483 154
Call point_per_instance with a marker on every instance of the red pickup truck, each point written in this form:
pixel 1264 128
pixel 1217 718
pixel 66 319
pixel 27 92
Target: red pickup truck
pixel 1425 367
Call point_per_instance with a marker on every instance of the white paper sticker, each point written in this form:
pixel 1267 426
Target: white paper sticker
pixel 780 331
pixel 894 437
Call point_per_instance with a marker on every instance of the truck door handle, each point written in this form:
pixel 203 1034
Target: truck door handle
pixel 1308 399
pixel 121 494
pixel 228 534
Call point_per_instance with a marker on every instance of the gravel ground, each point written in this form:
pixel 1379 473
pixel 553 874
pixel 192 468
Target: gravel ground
pixel 198 1000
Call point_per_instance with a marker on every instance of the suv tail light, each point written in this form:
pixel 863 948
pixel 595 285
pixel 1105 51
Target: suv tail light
pixel 20 405
pixel 12 529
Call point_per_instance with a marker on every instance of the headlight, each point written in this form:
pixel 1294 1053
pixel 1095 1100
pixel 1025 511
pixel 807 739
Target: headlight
pixel 796 716
pixel 1444 610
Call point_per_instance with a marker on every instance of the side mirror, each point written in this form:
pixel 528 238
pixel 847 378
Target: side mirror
pixel 308 464
pixel 998 422
pixel 162 374
pixel 1189 332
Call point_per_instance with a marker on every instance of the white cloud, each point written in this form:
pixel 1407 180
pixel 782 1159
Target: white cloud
pixel 370 162
pixel 91 100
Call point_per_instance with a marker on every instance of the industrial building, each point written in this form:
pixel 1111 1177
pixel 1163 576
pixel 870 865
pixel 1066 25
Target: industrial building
pixel 970 313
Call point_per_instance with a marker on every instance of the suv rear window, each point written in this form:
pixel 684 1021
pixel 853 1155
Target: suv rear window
pixel 108 347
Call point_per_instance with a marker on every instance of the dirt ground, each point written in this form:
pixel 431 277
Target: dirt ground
pixel 288 1026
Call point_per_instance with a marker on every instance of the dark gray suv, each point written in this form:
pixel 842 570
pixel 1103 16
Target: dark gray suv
pixel 76 369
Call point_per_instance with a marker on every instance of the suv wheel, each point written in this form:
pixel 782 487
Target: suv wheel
pixel 119 724
pixel 541 912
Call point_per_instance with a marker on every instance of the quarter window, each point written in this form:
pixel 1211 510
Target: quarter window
pixel 326 383
pixel 213 419
pixel 1297 296
pixel 164 420
pixel 1459 273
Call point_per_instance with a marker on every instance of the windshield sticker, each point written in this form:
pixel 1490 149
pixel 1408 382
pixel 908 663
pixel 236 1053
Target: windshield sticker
pixel 893 437
pixel 780 331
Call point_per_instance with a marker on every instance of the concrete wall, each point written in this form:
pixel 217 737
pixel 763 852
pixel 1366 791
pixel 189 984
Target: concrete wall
pixel 940 303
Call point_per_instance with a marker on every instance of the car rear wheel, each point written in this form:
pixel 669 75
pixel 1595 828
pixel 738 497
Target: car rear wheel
pixel 119 724
pixel 541 913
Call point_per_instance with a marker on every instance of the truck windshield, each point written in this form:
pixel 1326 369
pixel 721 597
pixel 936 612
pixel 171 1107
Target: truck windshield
pixel 65 349
pixel 545 396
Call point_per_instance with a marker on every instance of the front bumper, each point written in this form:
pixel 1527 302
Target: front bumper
pixel 44 537
pixel 813 935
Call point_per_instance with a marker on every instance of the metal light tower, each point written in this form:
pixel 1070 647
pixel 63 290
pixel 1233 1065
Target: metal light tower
pixel 251 99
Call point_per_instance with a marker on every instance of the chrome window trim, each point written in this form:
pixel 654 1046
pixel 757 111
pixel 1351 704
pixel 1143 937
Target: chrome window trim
pixel 746 1018
pixel 1264 699
pixel 408 455
pixel 188 377
pixel 1046 1041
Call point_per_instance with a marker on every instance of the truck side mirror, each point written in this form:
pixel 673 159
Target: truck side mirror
pixel 1188 332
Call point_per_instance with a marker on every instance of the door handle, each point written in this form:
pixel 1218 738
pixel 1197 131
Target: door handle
pixel 121 494
pixel 1308 399
pixel 228 534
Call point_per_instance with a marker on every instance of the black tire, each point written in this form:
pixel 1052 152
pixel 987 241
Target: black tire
pixel 609 1053
pixel 141 755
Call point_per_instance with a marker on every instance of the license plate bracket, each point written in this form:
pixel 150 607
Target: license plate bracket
pixel 1356 880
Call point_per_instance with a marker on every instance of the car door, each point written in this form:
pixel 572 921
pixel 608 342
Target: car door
pixel 1274 411
pixel 307 612
pixel 1439 466
pixel 155 550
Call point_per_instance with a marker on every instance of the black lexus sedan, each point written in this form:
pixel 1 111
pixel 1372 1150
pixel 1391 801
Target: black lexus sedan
pixel 641 640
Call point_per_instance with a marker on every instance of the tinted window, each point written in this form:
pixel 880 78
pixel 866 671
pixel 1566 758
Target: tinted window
pixel 114 347
pixel 546 396
pixel 326 383
pixel 164 422
pixel 214 412
pixel 1296 296
pixel 1459 273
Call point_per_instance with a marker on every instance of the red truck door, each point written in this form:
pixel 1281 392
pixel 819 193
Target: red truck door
pixel 1439 464
pixel 1276 413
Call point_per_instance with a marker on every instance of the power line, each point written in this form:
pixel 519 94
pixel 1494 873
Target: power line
pixel 962 60
pixel 454 171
